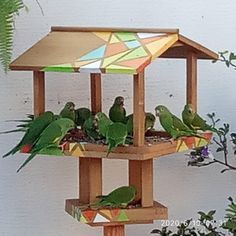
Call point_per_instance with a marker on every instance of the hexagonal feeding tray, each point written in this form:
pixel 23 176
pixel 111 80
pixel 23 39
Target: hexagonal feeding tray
pixel 157 143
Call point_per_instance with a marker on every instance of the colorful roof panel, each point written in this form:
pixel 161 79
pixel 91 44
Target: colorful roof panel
pixel 95 51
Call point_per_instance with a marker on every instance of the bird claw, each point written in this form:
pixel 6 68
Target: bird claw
pixel 171 140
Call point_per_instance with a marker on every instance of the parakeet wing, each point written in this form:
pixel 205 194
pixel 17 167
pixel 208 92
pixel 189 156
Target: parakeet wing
pixel 50 137
pixel 82 114
pixel 116 134
pixel 149 120
pixel 35 129
pixel 103 123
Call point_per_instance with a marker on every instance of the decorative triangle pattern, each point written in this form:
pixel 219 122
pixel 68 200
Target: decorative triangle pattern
pixel 107 213
pixel 134 54
pixel 126 36
pixel 95 54
pixel 114 39
pixel 83 220
pixel 99 219
pixel 103 35
pixel 89 215
pixel 149 35
pixel 135 63
pixel 181 146
pixel 123 216
pixel 115 48
pixel 112 59
pixel 107 51
pixel 115 213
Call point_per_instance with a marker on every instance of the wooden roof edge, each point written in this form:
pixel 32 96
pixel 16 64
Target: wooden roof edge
pixel 199 47
pixel 115 29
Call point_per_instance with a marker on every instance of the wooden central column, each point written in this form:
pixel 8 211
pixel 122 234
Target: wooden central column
pixel 192 80
pixel 118 230
pixel 39 92
pixel 140 172
pixel 90 169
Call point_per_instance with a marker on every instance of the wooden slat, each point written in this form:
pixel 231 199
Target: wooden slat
pixel 139 109
pixel 104 29
pixel 192 80
pixel 141 176
pixel 118 230
pixel 39 92
pixel 96 92
pixel 90 179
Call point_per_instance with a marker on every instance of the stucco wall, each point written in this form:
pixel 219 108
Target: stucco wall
pixel 32 202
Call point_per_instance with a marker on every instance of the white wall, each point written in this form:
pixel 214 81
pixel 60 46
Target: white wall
pixel 32 202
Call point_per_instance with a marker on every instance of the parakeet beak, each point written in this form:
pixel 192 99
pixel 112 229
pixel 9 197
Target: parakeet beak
pixel 157 113
pixel 72 108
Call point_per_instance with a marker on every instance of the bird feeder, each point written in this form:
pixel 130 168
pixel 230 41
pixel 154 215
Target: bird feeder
pixel 107 51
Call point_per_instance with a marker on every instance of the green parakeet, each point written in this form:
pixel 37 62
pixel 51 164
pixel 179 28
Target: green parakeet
pixel 103 123
pixel 149 122
pixel 50 138
pixel 82 114
pixel 116 134
pixel 36 127
pixel 194 121
pixel 119 197
pixel 90 128
pixel 68 111
pixel 117 112
pixel 172 124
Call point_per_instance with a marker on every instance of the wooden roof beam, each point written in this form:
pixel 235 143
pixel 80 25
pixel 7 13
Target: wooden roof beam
pixel 116 29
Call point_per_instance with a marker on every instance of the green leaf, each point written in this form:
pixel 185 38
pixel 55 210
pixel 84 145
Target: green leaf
pixel 8 9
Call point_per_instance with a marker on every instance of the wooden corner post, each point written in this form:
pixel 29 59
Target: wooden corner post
pixel 192 79
pixel 90 169
pixel 140 172
pixel 39 92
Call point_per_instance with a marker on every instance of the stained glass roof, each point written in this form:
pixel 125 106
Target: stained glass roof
pixel 97 51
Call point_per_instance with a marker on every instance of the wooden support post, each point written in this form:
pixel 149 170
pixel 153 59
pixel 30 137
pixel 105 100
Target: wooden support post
pixel 141 172
pixel 139 109
pixel 192 80
pixel 39 92
pixel 141 176
pixel 90 179
pixel 90 169
pixel 96 92
pixel 118 230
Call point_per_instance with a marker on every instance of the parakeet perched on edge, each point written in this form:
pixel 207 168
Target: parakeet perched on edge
pixel 36 127
pixel 81 115
pixel 149 122
pixel 172 124
pixel 116 134
pixel 119 197
pixel 194 121
pixel 103 123
pixel 117 111
pixel 68 111
pixel 50 138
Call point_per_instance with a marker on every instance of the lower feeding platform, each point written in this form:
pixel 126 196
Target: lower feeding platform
pixel 113 216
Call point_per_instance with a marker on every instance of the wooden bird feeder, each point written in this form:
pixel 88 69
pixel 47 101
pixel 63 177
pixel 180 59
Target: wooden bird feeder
pixel 114 50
